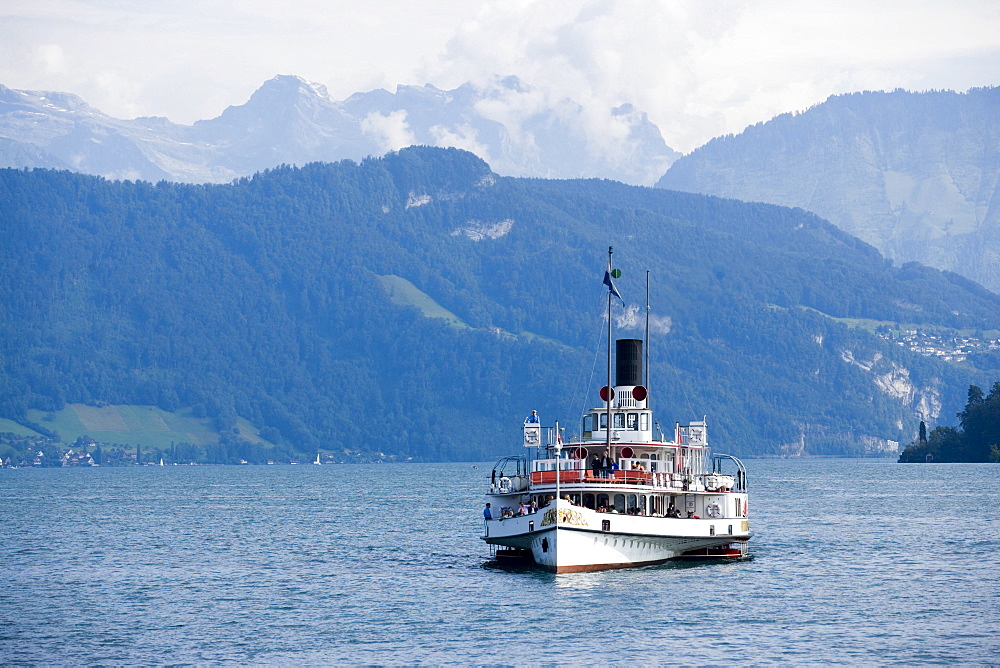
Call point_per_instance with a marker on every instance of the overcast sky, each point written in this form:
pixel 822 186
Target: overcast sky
pixel 700 69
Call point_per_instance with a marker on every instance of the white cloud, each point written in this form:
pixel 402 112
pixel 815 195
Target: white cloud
pixel 463 136
pixel 703 69
pixel 699 69
pixel 391 132
pixel 52 58
pixel 632 319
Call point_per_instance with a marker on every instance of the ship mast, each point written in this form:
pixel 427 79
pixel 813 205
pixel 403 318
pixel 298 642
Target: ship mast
pixel 610 392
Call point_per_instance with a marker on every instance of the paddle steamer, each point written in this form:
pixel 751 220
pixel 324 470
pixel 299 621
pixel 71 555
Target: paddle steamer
pixel 623 493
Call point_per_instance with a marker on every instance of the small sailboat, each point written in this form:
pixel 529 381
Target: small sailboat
pixel 317 462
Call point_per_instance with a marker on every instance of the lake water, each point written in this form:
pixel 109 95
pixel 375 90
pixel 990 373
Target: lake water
pixel 857 562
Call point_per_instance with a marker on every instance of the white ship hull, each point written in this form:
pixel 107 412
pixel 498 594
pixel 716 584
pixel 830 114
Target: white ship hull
pixel 571 539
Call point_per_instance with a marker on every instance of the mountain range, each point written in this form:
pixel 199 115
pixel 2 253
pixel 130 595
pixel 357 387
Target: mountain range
pixel 913 174
pixel 515 128
pixel 917 175
pixel 420 305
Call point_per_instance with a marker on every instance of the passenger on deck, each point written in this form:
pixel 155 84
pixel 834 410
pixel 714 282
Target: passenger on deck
pixel 487 513
pixel 533 508
pixel 595 466
pixel 532 419
pixel 522 509
pixel 605 465
pixel 673 512
pixel 692 516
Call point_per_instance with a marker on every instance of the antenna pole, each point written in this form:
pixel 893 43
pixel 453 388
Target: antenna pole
pixel 645 345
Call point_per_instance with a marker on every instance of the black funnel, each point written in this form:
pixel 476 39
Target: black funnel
pixel 628 362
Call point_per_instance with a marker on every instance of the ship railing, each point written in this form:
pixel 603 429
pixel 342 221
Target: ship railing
pixel 740 479
pixel 510 474
pixel 674 482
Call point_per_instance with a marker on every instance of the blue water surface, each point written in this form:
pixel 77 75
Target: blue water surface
pixel 853 562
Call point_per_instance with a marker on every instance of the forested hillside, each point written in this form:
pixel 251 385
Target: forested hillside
pixel 977 441
pixel 299 299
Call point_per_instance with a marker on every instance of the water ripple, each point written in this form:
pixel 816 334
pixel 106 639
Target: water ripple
pixel 383 565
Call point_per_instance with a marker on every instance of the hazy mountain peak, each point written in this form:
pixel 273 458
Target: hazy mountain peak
pixel 917 175
pixel 428 92
pixel 280 93
pixel 42 100
pixel 291 85
pixel 517 129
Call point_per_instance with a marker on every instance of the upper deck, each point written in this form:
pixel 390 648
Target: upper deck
pixel 620 443
pixel 633 458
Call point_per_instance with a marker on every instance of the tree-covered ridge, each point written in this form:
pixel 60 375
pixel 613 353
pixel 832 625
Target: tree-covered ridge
pixel 978 440
pixel 266 299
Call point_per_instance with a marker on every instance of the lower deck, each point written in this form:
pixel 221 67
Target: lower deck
pixel 629 500
pixel 564 537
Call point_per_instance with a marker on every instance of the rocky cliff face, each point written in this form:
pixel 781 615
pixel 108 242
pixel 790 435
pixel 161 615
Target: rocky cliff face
pixel 519 131
pixel 889 378
pixel 917 175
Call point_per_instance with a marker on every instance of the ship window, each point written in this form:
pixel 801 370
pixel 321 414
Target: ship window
pixel 642 504
pixel 588 501
pixel 602 500
pixel 630 505
pixel 620 503
pixel 604 420
pixel 730 529
pixel 655 505
pixel 605 526
pixel 644 421
pixel 711 530
pixel 619 421
pixel 632 421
